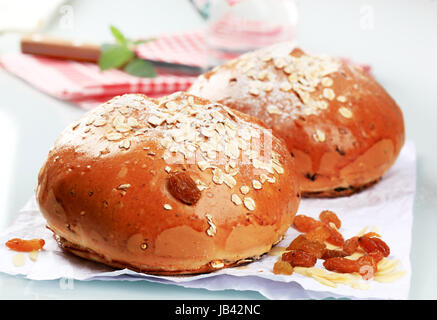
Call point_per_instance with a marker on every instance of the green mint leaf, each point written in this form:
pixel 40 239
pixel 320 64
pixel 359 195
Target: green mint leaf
pixel 119 37
pixel 140 68
pixel 114 56
pixel 141 41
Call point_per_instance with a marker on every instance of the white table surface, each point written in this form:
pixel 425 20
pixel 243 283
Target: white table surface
pixel 400 45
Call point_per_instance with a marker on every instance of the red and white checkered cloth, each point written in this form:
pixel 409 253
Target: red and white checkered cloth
pixel 85 85
pixel 183 48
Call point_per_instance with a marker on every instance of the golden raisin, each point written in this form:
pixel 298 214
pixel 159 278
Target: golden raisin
pixel 350 246
pixel 282 267
pixel 328 254
pixel 367 267
pixel 367 260
pixel 305 224
pixel 302 243
pixel 327 216
pixel 374 244
pixel 335 237
pixel 376 255
pixel 183 188
pixel 320 234
pixel 341 265
pixel 299 258
pixel 25 245
pixel 297 242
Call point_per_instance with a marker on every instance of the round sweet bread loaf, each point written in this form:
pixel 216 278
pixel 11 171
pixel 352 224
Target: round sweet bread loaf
pixel 342 127
pixel 175 185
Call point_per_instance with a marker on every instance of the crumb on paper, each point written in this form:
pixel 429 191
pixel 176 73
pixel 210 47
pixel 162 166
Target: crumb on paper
pixel 33 255
pixel 18 259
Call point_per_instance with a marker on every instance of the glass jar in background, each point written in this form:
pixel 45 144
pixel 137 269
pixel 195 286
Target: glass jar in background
pixel 237 26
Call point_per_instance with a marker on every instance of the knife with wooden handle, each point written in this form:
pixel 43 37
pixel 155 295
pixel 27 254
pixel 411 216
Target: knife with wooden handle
pixel 43 45
pixel 58 48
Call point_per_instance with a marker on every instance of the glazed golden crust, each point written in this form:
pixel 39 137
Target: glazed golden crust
pixel 104 189
pixel 86 253
pixel 341 126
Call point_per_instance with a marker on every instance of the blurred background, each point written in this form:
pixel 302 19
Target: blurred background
pixel 397 39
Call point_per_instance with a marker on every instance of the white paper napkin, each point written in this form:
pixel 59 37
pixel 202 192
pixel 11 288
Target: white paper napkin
pixel 388 206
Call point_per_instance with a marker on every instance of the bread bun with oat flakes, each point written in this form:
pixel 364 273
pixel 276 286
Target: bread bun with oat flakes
pixel 342 127
pixel 175 185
